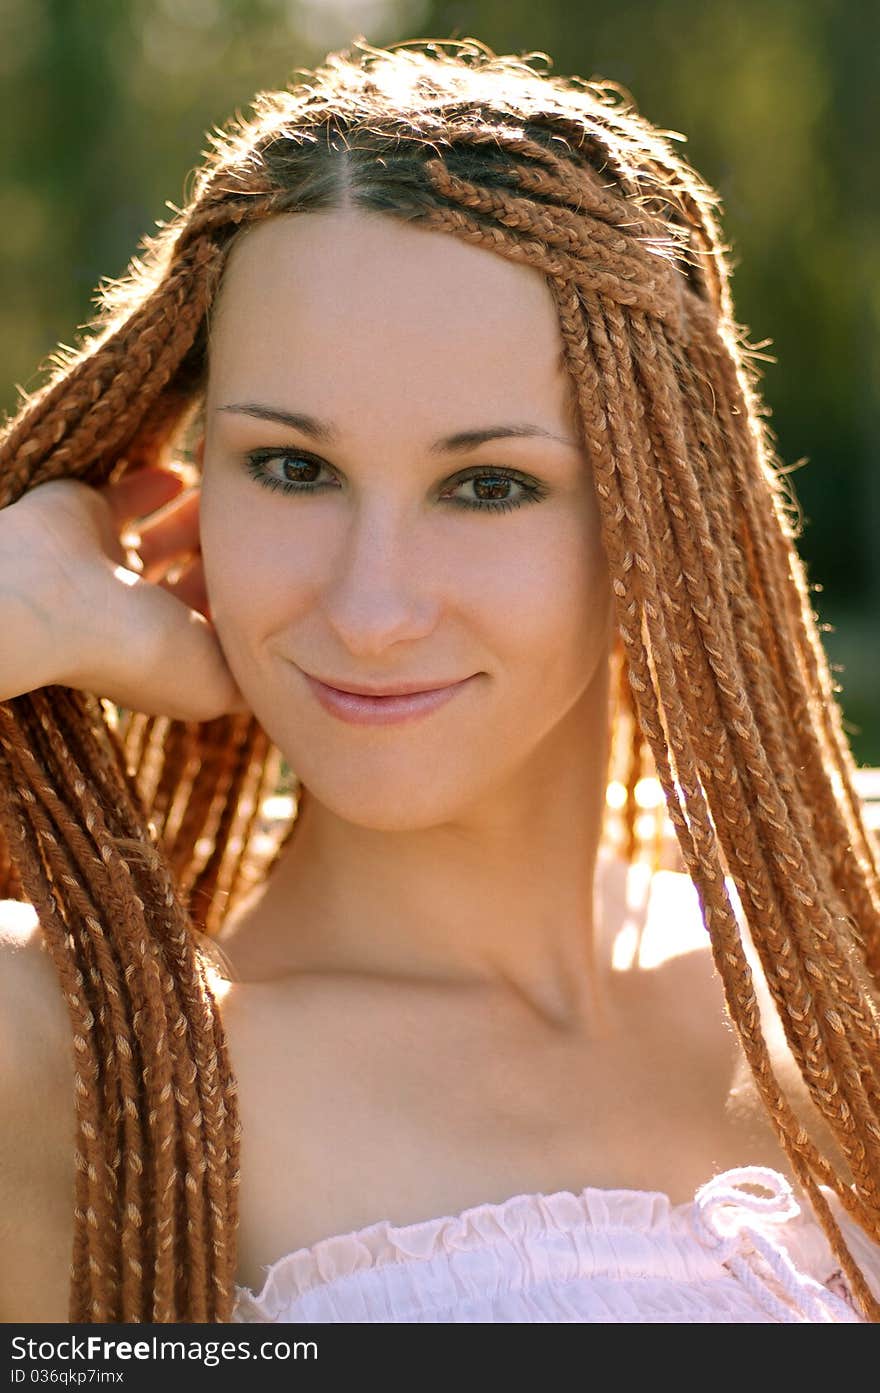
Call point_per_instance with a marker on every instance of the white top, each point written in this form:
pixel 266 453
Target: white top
pixel 609 1256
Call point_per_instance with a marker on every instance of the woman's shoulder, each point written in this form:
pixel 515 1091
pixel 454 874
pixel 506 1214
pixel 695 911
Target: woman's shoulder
pixel 37 1138
pixel 34 1023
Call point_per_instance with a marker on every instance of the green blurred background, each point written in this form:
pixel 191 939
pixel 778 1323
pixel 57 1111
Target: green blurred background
pixel 106 102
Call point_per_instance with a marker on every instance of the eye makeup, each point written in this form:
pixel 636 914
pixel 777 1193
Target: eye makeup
pixel 258 462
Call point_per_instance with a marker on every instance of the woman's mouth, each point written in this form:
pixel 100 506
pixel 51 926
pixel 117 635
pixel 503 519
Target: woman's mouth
pixel 360 710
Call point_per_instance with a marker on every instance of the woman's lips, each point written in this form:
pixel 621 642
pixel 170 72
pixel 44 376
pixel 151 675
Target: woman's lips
pixel 380 711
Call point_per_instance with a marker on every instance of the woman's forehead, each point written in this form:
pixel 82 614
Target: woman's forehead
pixel 364 301
pixel 375 274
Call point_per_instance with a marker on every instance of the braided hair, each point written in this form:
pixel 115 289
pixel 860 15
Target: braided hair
pixel 132 835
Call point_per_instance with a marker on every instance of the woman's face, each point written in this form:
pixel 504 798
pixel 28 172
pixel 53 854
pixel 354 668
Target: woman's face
pixel 374 539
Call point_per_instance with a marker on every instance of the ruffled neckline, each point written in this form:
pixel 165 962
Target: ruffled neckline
pixel 694 1235
pixel 385 1241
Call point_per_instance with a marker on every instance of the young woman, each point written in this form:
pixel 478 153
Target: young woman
pixel 483 503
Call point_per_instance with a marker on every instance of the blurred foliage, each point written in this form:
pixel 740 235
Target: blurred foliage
pixel 106 102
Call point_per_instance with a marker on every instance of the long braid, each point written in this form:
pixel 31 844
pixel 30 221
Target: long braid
pixel 840 831
pixel 815 716
pixel 132 836
pixel 765 703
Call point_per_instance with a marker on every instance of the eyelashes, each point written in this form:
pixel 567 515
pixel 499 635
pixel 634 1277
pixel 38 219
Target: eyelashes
pixel 496 479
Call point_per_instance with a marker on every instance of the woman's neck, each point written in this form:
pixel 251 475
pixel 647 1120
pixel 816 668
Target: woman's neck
pixel 503 895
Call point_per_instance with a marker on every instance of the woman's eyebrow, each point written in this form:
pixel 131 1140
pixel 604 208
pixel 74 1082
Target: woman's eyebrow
pixel 449 444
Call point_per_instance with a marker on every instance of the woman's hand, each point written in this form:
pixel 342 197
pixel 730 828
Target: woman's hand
pixel 79 609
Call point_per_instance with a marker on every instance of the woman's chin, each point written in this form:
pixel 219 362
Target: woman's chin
pixel 384 809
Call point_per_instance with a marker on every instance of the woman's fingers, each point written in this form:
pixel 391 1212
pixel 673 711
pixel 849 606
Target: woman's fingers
pixel 140 492
pixel 173 533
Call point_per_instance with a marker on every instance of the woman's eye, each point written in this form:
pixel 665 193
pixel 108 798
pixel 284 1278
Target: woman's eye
pixel 484 490
pixel 294 473
pixel 495 491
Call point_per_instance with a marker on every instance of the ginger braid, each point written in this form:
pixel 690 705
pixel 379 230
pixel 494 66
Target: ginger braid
pixel 132 835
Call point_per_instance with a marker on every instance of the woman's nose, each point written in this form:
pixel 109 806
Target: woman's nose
pixel 379 592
